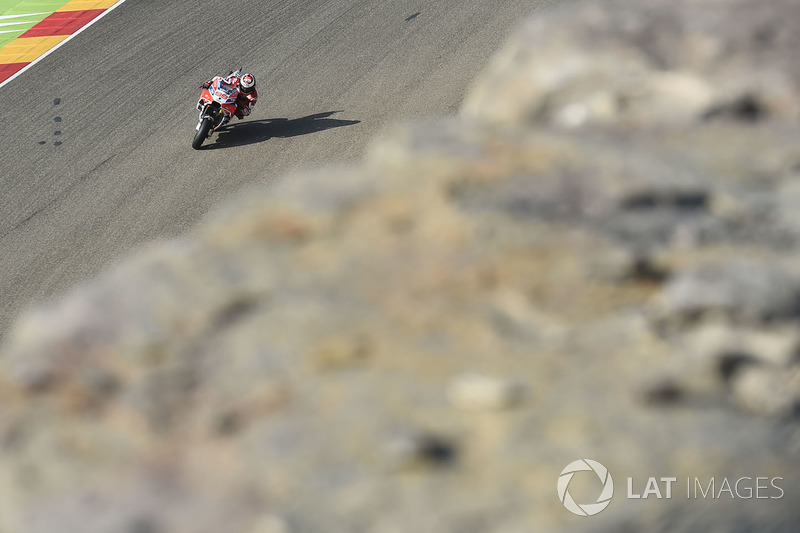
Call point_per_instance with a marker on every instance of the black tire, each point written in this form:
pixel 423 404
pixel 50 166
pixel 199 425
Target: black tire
pixel 202 133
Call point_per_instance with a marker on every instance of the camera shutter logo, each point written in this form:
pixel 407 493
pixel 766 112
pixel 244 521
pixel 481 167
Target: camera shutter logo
pixel 585 509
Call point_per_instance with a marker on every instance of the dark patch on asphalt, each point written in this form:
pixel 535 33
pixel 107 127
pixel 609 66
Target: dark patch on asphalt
pixel 412 17
pixel 56 133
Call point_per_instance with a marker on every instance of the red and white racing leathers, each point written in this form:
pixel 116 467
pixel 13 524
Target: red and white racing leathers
pixel 245 102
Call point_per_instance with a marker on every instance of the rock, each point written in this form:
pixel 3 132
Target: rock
pixel 480 392
pixel 766 390
pixel 650 63
pixel 420 451
pixel 749 291
pixel 775 346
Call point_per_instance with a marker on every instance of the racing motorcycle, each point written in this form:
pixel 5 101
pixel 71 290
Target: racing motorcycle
pixel 217 105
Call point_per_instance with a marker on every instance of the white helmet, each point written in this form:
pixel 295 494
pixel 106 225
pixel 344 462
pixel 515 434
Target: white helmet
pixel 247 83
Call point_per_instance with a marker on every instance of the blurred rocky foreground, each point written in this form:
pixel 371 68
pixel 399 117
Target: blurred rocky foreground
pixel 598 259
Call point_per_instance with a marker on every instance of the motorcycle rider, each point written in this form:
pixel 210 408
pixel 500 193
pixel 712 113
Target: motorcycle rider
pixel 248 95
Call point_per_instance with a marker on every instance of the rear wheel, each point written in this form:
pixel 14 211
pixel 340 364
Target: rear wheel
pixel 202 133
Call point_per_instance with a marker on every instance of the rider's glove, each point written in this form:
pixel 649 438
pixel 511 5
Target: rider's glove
pixel 206 85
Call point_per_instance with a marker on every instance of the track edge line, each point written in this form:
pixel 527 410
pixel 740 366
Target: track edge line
pixel 62 43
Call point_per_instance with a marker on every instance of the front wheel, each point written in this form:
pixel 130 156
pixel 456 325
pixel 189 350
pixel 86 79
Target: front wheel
pixel 202 132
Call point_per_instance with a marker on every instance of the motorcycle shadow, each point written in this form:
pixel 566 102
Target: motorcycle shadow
pixel 256 131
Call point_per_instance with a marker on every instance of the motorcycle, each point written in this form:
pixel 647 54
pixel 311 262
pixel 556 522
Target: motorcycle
pixel 217 105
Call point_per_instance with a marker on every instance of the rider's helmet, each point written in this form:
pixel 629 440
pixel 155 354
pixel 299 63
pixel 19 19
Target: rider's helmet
pixel 247 83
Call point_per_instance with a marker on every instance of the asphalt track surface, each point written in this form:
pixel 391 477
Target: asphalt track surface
pixel 331 74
